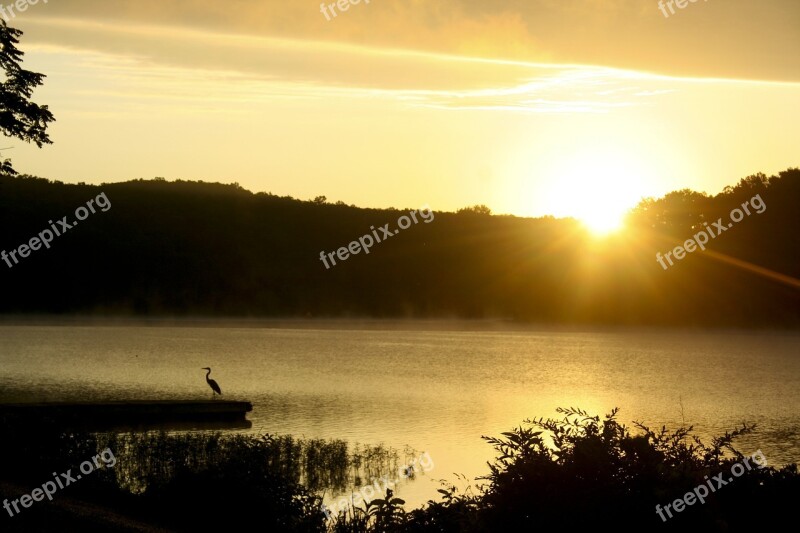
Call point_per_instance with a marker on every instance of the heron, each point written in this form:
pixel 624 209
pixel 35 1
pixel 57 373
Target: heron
pixel 211 383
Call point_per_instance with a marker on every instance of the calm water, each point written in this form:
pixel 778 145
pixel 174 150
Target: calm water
pixel 437 391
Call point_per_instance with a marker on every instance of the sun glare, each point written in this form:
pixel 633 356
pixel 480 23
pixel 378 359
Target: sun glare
pixel 601 223
pixel 597 188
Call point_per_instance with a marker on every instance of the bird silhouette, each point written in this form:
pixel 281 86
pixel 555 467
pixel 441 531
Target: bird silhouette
pixel 213 384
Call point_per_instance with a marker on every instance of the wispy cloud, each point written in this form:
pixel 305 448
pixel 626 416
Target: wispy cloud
pixel 626 34
pixel 152 66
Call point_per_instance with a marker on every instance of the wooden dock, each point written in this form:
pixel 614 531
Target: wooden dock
pixel 106 416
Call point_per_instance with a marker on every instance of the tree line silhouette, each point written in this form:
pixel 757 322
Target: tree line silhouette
pixel 187 248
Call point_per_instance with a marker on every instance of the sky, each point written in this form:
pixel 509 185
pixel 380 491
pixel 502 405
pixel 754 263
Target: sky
pixel 532 107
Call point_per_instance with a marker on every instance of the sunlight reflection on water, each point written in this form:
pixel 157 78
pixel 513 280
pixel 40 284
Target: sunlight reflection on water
pixel 436 391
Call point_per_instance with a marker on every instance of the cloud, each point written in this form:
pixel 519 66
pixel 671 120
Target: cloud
pixel 203 71
pixel 705 39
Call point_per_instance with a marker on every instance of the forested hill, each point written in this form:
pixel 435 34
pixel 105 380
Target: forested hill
pixel 204 249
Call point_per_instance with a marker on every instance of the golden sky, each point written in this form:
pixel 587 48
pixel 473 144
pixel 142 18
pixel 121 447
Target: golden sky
pixel 532 107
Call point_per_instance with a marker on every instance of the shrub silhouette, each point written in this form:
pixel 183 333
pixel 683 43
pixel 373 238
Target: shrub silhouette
pixel 572 473
pixel 584 472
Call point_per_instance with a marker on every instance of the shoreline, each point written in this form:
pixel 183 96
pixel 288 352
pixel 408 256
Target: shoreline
pixel 370 324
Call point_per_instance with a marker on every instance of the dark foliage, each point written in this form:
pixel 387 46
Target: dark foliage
pixel 185 481
pixel 192 248
pixel 574 473
pixel 19 116
pixel 583 473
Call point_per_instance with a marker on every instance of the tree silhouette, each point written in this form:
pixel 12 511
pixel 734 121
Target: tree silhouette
pixel 193 248
pixel 479 209
pixel 19 116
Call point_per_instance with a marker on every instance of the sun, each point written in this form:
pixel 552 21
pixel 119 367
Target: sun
pixel 600 206
pixel 603 223
pixel 598 188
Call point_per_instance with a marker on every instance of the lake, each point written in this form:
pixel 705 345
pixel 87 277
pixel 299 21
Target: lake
pixel 436 387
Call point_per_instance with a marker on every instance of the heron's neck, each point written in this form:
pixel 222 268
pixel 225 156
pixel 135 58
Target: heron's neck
pixel 208 374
